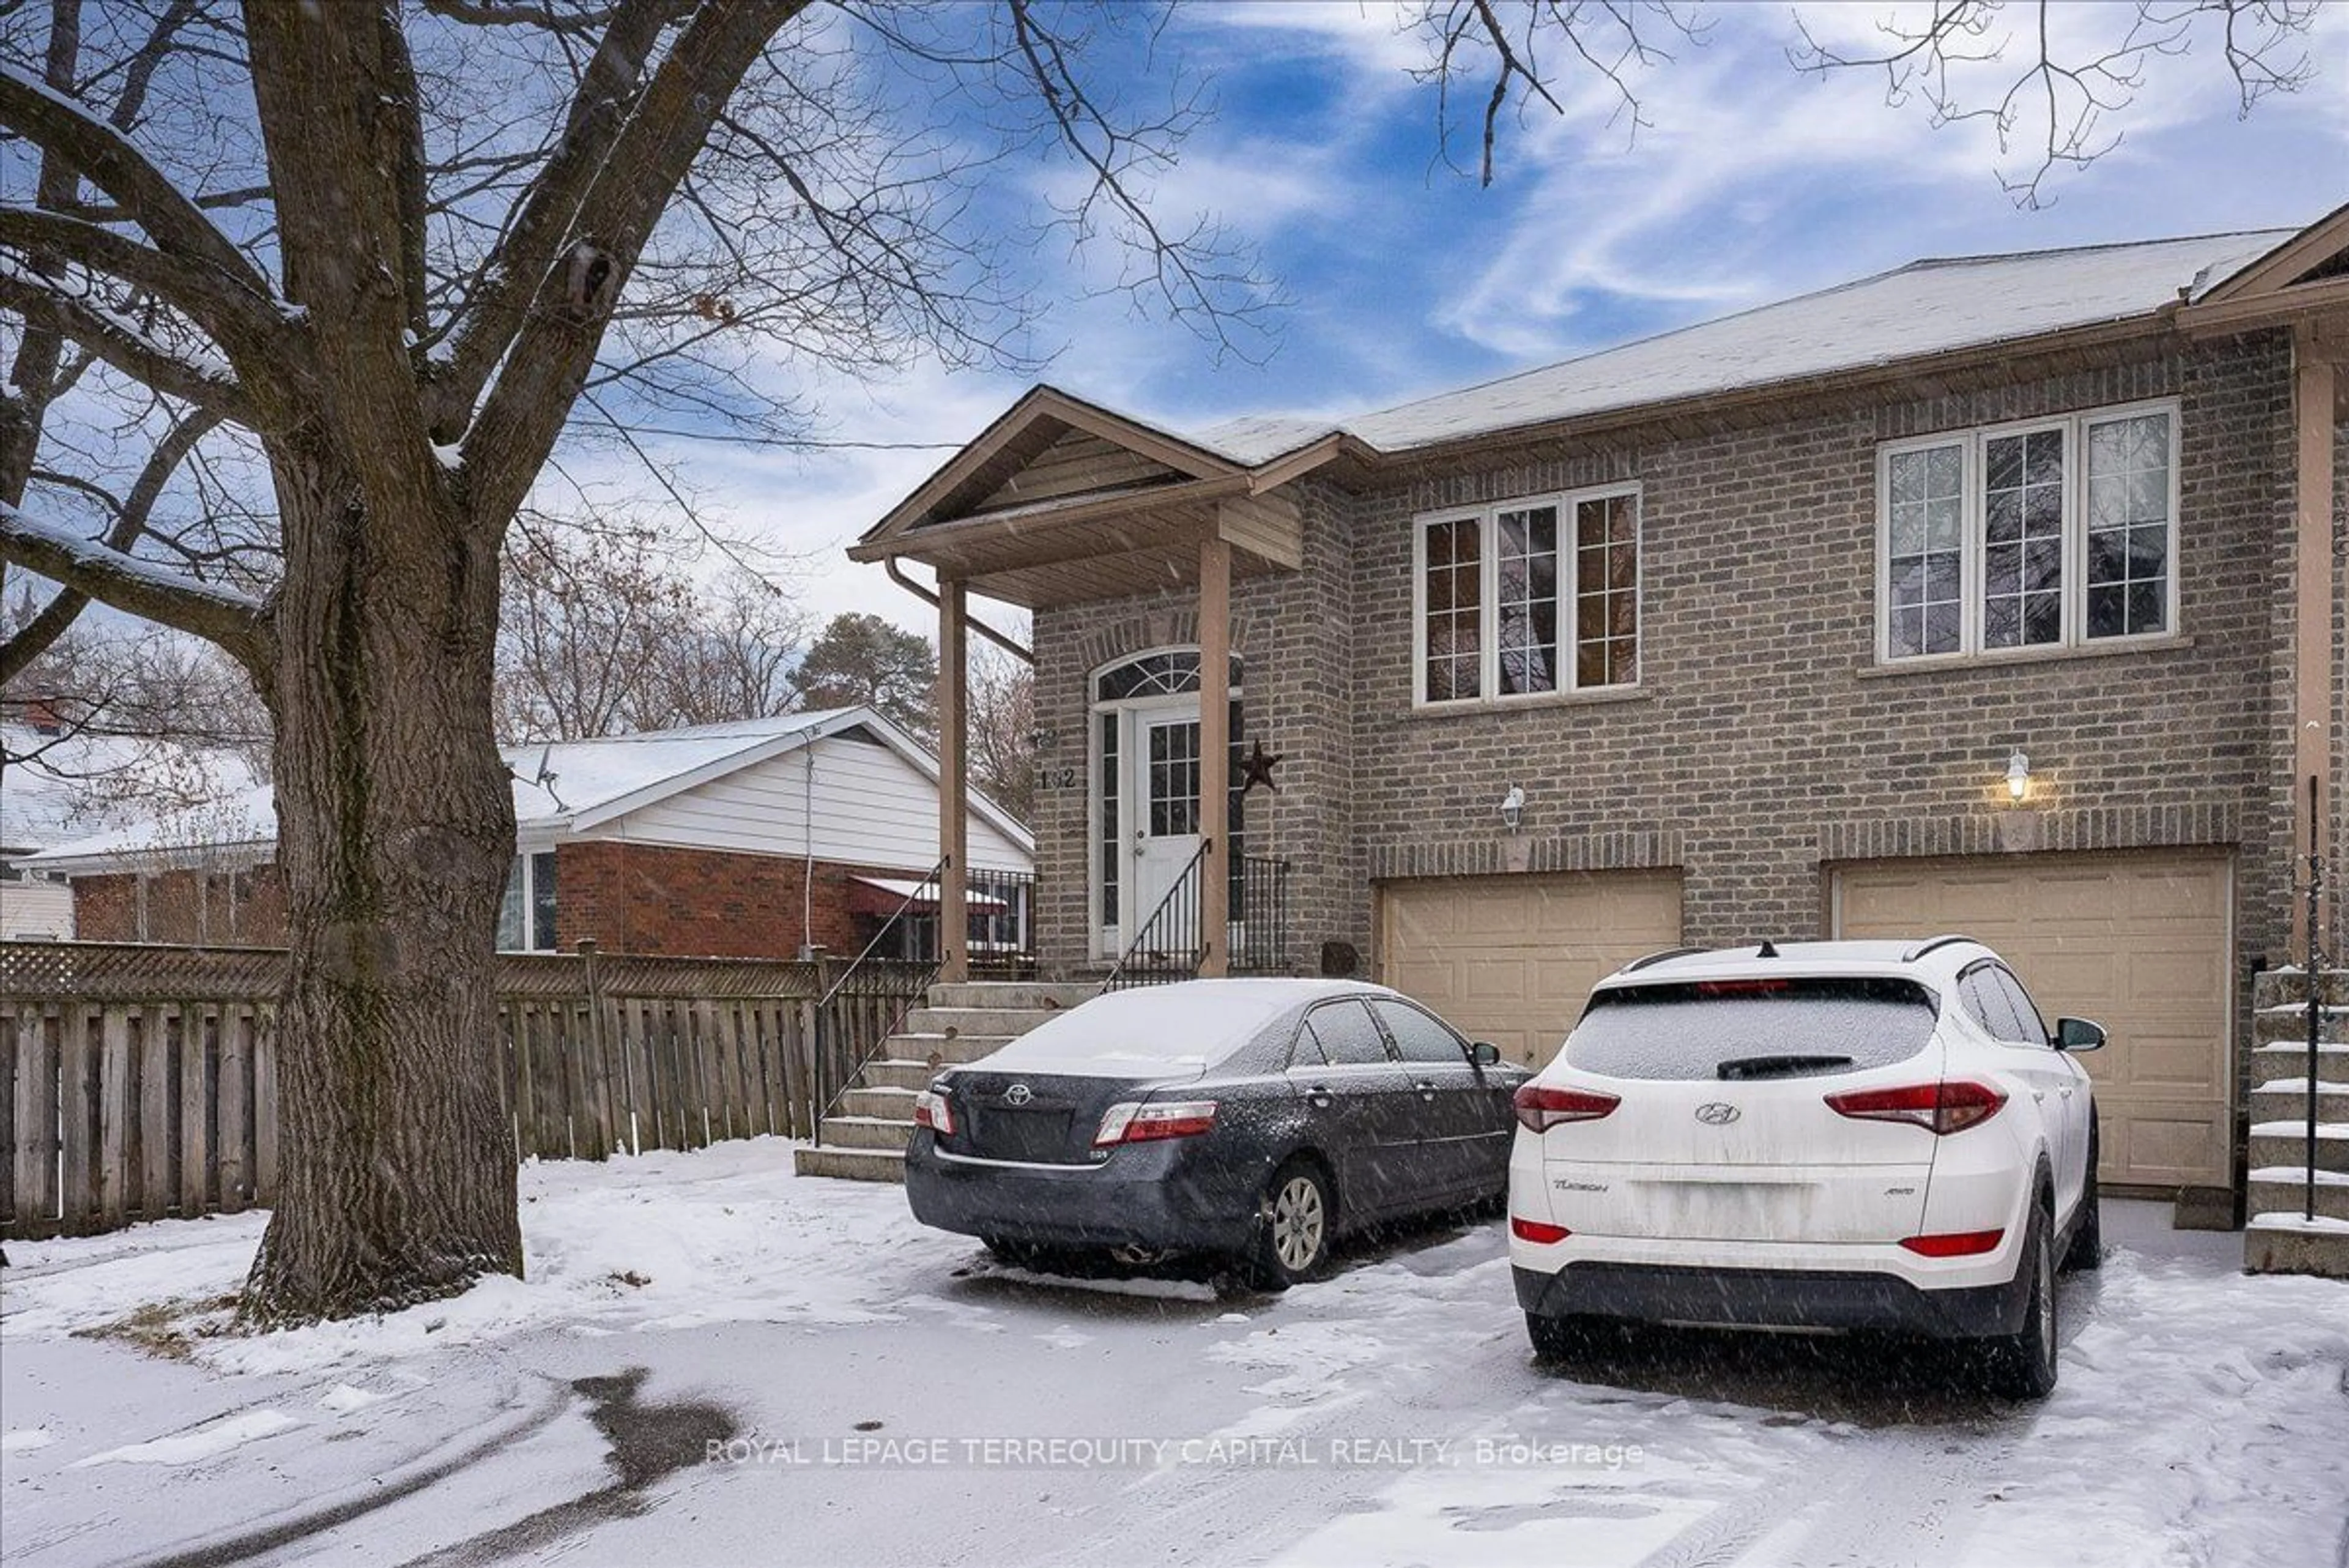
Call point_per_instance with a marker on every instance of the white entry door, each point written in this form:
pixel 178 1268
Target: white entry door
pixel 1163 809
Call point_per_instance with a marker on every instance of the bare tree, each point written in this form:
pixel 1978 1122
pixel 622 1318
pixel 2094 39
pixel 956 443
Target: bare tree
pixel 604 634
pixel 1003 729
pixel 2050 79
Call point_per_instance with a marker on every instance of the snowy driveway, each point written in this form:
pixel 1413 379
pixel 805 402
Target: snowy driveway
pixel 714 1362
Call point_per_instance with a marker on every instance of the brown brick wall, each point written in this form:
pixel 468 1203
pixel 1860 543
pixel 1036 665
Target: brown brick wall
pixel 1762 746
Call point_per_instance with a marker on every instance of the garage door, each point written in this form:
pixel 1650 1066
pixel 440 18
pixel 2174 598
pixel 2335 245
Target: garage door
pixel 2137 942
pixel 1511 959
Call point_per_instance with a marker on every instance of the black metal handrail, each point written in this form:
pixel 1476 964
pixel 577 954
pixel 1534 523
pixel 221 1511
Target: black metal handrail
pixel 914 982
pixel 1008 948
pixel 1260 917
pixel 1169 945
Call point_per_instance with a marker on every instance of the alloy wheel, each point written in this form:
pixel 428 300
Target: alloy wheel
pixel 1297 1223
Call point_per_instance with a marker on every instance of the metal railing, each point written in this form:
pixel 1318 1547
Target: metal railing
pixel 1169 946
pixel 1259 935
pixel 1002 943
pixel 854 1017
pixel 1172 942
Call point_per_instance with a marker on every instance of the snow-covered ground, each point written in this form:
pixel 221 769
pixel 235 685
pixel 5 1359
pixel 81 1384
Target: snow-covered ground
pixel 714 1362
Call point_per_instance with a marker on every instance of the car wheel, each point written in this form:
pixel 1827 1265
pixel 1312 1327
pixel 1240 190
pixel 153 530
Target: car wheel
pixel 1293 1226
pixel 2022 1364
pixel 2087 1248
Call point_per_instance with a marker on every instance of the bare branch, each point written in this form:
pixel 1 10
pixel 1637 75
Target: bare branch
pixel 121 342
pixel 34 638
pixel 237 622
pixel 105 157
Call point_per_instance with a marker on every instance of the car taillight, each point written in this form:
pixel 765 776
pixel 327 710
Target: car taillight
pixel 1944 1108
pixel 1525 1230
pixel 1541 1107
pixel 1140 1122
pixel 1956 1244
pixel 934 1111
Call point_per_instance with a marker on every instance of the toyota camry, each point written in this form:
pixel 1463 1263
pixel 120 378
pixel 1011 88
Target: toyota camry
pixel 1254 1119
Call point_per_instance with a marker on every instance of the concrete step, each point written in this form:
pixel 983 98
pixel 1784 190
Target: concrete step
pixel 2281 1060
pixel 867 1132
pixel 2287 1244
pixel 2279 1190
pixel 906 1076
pixel 850 1164
pixel 890 1104
pixel 949 1049
pixel 2286 1100
pixel 1027 995
pixel 1003 1023
pixel 2278 987
pixel 2279 1025
pixel 2286 1143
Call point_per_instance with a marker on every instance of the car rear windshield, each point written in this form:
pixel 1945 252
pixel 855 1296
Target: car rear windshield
pixel 1794 1026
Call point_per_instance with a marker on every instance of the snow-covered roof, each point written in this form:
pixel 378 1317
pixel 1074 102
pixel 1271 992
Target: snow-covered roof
pixel 558 786
pixel 75 784
pixel 1914 312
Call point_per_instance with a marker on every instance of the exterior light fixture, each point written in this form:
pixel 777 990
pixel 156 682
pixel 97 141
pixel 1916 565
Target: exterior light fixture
pixel 2018 775
pixel 1513 808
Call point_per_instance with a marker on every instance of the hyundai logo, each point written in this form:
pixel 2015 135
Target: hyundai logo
pixel 1717 1114
pixel 1020 1094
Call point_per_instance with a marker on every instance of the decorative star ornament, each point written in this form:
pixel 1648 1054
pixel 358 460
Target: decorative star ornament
pixel 1255 768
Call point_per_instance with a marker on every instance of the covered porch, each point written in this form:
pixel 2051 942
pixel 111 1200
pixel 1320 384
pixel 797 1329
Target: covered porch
pixel 1062 504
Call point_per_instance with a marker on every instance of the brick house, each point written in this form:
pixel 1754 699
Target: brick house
pixel 2001 595
pixel 742 840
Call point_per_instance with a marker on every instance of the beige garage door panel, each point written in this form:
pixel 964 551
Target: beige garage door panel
pixel 2139 943
pixel 1510 959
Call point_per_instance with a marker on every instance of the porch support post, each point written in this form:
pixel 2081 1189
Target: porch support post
pixel 954 785
pixel 2314 373
pixel 1214 751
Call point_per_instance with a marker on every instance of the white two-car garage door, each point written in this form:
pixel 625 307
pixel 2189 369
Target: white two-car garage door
pixel 2139 942
pixel 1511 959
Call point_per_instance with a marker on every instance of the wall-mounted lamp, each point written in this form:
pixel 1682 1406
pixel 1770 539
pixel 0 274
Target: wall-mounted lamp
pixel 2018 775
pixel 1513 808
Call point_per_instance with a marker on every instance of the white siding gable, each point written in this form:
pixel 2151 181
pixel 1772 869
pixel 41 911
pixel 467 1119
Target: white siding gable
pixel 872 807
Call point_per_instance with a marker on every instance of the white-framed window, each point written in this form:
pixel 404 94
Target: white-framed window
pixel 2054 532
pixel 1526 597
pixel 526 914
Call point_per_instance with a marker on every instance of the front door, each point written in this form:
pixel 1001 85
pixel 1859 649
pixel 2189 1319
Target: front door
pixel 1165 815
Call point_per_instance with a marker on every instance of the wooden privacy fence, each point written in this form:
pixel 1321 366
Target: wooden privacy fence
pixel 140 1082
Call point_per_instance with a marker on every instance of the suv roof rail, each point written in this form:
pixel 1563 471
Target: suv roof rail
pixel 1930 943
pixel 1645 960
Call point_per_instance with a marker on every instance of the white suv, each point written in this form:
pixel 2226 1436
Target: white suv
pixel 1826 1135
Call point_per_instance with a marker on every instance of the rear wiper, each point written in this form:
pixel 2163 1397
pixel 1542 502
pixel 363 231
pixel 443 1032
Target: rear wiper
pixel 1778 1066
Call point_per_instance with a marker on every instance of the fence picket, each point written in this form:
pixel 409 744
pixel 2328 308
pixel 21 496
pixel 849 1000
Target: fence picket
pixel 11 1026
pixel 235 1108
pixel 78 1118
pixel 195 1126
pixel 264 1105
pixel 37 1115
pixel 159 1192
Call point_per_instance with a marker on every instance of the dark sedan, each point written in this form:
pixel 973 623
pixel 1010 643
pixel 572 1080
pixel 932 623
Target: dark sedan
pixel 1257 1119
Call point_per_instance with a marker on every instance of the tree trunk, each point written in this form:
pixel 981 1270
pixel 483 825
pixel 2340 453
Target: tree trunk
pixel 396 827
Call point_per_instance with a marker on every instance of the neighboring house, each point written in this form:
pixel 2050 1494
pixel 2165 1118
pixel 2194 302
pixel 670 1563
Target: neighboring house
pixel 743 840
pixel 1998 595
pixel 59 784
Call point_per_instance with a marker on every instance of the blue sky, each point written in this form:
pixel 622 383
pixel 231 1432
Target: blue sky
pixel 1401 276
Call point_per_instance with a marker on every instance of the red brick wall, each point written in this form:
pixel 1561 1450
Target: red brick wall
pixel 106 908
pixel 629 898
pixel 703 903
pixel 183 906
